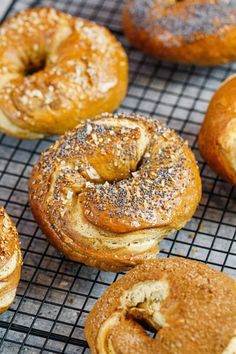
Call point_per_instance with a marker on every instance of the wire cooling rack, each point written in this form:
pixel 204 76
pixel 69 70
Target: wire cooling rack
pixel 55 295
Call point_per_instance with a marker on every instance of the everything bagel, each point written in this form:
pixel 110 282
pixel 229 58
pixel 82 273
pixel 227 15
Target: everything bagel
pixel 56 70
pixel 217 136
pixel 190 305
pixel 199 32
pixel 10 261
pixel 107 192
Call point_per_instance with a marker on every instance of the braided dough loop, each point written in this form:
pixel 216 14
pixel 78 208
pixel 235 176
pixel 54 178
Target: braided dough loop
pixel 107 192
pixel 82 72
pixel 10 261
pixel 199 32
pixel 217 136
pixel 191 306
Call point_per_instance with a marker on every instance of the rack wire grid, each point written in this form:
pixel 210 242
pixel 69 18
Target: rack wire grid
pixel 55 294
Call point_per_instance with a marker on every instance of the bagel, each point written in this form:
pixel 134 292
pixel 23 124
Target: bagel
pixel 199 32
pixel 190 305
pixel 10 261
pixel 108 191
pixel 217 136
pixel 56 70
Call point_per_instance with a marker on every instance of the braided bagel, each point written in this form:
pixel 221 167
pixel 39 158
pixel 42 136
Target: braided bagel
pixel 199 32
pixel 80 71
pixel 191 306
pixel 10 261
pixel 108 191
pixel 217 136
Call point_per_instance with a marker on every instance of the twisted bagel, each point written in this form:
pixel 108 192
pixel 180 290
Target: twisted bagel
pixel 190 305
pixel 10 261
pixel 217 136
pixel 108 191
pixel 199 32
pixel 81 71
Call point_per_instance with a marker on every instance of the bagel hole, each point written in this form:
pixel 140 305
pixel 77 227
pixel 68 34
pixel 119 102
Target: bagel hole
pixel 33 68
pixel 149 329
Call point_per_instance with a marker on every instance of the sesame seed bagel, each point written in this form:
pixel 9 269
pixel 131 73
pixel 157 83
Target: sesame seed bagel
pixel 56 70
pixel 108 191
pixel 190 305
pixel 217 136
pixel 199 32
pixel 10 261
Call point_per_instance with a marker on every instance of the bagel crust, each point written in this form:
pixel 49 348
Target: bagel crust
pixel 56 70
pixel 10 261
pixel 190 305
pixel 108 191
pixel 199 32
pixel 217 136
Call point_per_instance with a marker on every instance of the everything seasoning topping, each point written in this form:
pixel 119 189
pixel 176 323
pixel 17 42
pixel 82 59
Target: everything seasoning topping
pixel 125 170
pixel 8 237
pixel 194 20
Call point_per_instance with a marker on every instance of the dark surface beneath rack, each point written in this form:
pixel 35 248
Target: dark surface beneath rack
pixel 55 295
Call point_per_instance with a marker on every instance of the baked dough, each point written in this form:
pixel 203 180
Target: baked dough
pixel 79 70
pixel 217 137
pixel 190 305
pixel 199 32
pixel 10 261
pixel 108 191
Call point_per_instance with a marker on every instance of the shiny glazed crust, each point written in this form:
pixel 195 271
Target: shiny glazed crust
pixel 192 307
pixel 199 32
pixel 107 192
pixel 217 137
pixel 10 261
pixel 82 72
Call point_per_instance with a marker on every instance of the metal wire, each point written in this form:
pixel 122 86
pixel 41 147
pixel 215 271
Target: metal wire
pixel 55 295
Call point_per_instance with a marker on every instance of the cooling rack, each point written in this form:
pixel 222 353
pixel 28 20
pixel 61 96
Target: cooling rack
pixel 55 295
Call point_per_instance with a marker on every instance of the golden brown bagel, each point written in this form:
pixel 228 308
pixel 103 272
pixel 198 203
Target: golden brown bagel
pixel 107 192
pixel 217 137
pixel 81 71
pixel 190 305
pixel 199 32
pixel 10 261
